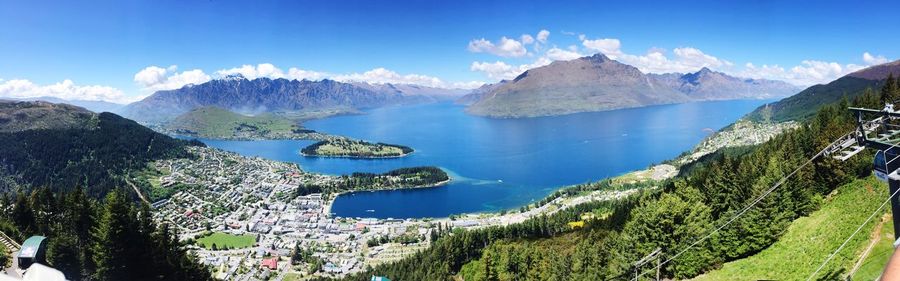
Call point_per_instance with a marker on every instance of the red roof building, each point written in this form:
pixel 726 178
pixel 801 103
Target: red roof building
pixel 271 263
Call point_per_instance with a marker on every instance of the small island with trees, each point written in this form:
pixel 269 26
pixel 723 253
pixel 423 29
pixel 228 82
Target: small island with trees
pixel 403 178
pixel 354 149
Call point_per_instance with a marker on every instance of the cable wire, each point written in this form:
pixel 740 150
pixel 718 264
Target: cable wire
pixel 751 205
pixel 877 211
pixel 745 209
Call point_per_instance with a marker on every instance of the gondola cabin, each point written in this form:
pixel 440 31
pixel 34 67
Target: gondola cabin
pixel 880 166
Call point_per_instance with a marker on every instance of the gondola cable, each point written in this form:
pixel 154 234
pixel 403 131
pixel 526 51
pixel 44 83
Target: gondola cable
pixel 852 235
pixel 744 210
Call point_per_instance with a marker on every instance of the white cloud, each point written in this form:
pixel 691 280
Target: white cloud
pixel 543 35
pixel 251 72
pixel 869 59
pixel 154 78
pixel 685 59
pixel 606 46
pixel 20 88
pixel 300 74
pixel 495 70
pixel 560 54
pixel 506 47
pixel 502 70
pixel 696 58
pixel 808 72
pixel 268 70
pixel 375 76
pixel 526 39
pixel 467 85
pixel 383 76
pixel 680 60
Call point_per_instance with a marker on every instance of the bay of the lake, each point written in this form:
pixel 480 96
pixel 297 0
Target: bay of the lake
pixel 499 164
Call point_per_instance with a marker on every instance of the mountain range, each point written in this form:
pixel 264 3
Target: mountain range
pixel 597 83
pixel 241 95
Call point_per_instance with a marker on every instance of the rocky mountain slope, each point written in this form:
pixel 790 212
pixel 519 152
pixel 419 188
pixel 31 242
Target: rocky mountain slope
pixel 598 83
pixel 241 95
pixel 423 93
pixel 475 95
pixel 217 123
pixel 706 84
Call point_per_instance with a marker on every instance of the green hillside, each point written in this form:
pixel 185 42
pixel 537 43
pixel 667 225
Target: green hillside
pixel 98 158
pixel 809 240
pixel 804 105
pixel 673 216
pixel 871 267
pixel 218 123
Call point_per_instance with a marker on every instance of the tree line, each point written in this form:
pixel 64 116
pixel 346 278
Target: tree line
pixel 398 178
pixel 686 208
pixel 100 239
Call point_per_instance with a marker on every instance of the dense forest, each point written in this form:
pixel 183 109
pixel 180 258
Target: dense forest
pixel 355 148
pixel 398 178
pixel 97 159
pixel 99 239
pixel 672 218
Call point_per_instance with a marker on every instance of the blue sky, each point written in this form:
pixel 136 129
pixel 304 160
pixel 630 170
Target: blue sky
pixel 100 47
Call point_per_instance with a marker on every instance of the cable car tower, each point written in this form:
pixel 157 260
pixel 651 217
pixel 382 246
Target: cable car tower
pixel 880 133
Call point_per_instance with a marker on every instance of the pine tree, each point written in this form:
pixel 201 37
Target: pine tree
pixel 22 214
pixel 63 254
pixel 113 239
pixel 490 273
pixel 890 91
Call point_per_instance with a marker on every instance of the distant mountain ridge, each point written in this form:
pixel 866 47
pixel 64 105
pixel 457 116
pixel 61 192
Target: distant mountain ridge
pixel 598 83
pixel 475 95
pixel 238 94
pixel 707 84
pixel 16 116
pixel 92 105
pixel 804 104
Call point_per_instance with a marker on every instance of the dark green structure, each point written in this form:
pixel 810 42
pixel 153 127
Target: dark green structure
pixel 34 250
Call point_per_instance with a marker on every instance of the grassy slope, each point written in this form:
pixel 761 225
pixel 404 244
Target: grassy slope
pixel 230 241
pixel 292 277
pixel 217 122
pixel 809 240
pixel 873 264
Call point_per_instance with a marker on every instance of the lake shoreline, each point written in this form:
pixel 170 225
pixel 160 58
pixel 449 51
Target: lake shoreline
pixel 533 156
pixel 354 157
pixel 327 207
pixel 356 149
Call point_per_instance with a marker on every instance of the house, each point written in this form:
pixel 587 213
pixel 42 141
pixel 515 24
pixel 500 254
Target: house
pixel 270 263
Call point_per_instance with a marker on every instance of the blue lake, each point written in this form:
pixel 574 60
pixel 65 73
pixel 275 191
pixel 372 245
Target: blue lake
pixel 500 163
